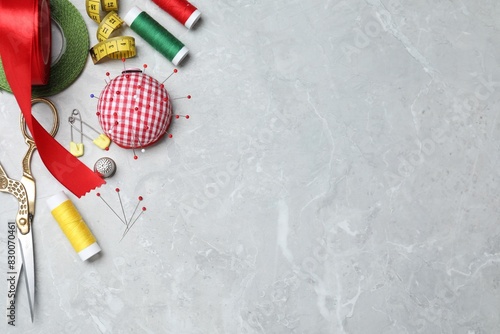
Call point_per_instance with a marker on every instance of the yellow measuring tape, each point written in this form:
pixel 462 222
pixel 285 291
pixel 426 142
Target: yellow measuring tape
pixel 110 23
pixel 94 8
pixel 115 47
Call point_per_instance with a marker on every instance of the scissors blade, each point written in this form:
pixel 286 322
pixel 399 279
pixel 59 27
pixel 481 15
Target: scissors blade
pixel 27 253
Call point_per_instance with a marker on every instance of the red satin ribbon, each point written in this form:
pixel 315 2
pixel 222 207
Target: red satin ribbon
pixel 24 39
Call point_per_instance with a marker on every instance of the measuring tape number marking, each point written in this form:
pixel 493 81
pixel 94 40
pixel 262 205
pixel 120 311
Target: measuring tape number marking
pixel 111 47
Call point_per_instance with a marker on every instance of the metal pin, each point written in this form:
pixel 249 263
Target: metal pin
pixel 182 97
pixel 99 195
pixel 135 210
pixel 140 145
pixel 102 141
pixel 130 225
pixel 173 72
pixel 76 149
pixel 121 204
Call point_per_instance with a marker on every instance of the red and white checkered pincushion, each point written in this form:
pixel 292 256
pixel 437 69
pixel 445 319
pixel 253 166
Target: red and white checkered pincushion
pixel 134 110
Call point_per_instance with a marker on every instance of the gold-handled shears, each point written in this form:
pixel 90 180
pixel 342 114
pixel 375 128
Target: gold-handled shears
pixel 25 192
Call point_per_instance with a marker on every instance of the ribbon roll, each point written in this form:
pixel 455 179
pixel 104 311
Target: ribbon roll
pixel 69 64
pixel 25 52
pixel 16 37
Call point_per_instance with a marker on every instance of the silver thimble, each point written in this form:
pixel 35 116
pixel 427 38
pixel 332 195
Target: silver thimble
pixel 105 167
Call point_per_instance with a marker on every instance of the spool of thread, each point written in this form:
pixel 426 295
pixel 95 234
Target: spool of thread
pixel 156 35
pixel 181 10
pixel 73 226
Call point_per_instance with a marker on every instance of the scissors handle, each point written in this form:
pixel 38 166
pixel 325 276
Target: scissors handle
pixel 27 158
pixel 17 189
pixel 27 136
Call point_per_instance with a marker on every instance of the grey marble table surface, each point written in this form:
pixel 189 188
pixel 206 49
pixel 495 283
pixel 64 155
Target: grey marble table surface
pixel 339 173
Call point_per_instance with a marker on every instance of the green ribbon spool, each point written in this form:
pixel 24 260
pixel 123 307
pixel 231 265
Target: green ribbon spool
pixel 74 57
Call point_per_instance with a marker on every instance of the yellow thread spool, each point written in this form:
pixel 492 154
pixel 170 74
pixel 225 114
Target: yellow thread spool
pixel 72 224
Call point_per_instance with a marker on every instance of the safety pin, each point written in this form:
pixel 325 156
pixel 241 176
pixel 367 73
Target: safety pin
pixel 76 148
pixel 102 141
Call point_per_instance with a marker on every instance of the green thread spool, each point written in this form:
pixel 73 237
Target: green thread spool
pixel 157 36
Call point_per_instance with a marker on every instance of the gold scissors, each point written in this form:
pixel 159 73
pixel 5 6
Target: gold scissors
pixel 25 192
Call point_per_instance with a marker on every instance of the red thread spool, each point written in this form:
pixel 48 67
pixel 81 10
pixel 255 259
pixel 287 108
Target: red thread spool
pixel 181 10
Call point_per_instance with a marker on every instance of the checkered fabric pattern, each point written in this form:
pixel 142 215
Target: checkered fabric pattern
pixel 134 110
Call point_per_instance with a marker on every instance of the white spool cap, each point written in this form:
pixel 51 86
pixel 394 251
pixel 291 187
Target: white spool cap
pixel 191 21
pixel 90 251
pixel 86 253
pixel 132 15
pixel 180 56
pixel 56 200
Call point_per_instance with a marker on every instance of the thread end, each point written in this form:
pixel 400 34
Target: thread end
pixel 90 251
pixel 132 15
pixel 191 21
pixel 180 56
pixel 56 200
